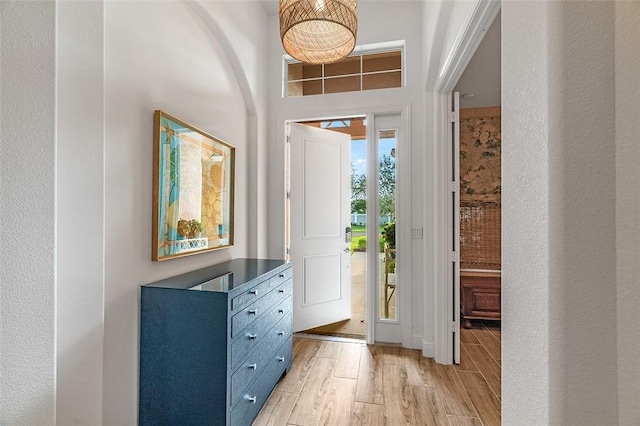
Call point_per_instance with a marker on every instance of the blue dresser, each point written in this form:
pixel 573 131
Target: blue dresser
pixel 214 342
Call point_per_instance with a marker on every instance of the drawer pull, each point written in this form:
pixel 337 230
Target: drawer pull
pixel 280 333
pixel 281 311
pixel 251 399
pixel 254 292
pixel 253 366
pixel 252 336
pixel 253 312
pixel 281 275
pixel 281 358
pixel 281 290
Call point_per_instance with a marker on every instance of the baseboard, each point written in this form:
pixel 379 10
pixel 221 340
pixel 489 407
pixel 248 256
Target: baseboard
pixel 328 337
pixel 428 349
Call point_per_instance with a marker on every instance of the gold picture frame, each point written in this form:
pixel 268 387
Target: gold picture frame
pixel 193 190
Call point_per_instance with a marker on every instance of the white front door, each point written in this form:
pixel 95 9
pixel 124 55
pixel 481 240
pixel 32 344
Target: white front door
pixel 320 218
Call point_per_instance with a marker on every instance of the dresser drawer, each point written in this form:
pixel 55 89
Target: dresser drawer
pixel 250 295
pixel 258 332
pixel 281 277
pixel 258 360
pixel 258 308
pixel 249 404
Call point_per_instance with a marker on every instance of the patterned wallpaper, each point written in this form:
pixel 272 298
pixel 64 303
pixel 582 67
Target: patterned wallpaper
pixel 480 154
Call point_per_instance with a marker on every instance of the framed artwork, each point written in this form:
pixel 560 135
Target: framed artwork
pixel 193 186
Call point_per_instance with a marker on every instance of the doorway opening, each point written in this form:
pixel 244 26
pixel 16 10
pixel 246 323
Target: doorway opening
pixel 353 327
pixel 480 185
pixel 379 198
pixel 476 170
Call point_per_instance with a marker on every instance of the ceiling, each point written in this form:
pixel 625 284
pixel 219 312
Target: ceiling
pixel 271 6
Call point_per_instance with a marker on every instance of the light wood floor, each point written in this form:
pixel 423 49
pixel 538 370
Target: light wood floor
pixel 339 383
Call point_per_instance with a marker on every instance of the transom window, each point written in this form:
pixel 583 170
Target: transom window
pixel 369 67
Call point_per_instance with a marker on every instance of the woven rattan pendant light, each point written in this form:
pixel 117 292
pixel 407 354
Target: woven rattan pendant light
pixel 318 31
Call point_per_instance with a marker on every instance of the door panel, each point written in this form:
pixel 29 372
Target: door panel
pixel 321 278
pixel 320 214
pixel 322 203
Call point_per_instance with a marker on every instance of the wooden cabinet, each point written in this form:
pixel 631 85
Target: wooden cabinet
pixel 480 294
pixel 214 342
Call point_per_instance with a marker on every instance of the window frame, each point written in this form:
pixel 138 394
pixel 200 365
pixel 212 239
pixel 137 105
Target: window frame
pixel 361 51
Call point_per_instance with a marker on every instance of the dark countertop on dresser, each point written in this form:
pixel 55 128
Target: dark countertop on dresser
pixel 240 271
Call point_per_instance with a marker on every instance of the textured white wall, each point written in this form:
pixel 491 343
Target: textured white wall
pixel 27 213
pixel 80 212
pixel 559 305
pixel 582 283
pixel 627 129
pixel 525 175
pixel 161 55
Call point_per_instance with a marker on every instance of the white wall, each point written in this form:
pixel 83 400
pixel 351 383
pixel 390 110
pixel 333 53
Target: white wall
pixel 374 26
pixel 525 270
pixel 80 212
pixel 627 61
pixel 177 65
pixel 559 291
pixel 582 278
pixel 27 213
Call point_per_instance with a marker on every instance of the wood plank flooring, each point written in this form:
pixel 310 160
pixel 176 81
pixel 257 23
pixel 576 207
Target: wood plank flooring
pixel 345 383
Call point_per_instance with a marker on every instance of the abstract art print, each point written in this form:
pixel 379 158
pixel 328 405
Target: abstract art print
pixel 193 192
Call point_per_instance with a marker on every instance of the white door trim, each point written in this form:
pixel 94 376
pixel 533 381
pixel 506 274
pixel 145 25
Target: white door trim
pixel 469 38
pixel 403 231
pixel 454 194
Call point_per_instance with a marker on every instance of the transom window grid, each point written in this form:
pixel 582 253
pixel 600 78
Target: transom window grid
pixel 358 72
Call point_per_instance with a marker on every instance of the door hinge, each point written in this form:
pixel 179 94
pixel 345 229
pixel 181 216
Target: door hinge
pixel 453 116
pixel 454 327
pixel 288 250
pixel 288 195
pixel 453 186
pixel 453 256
